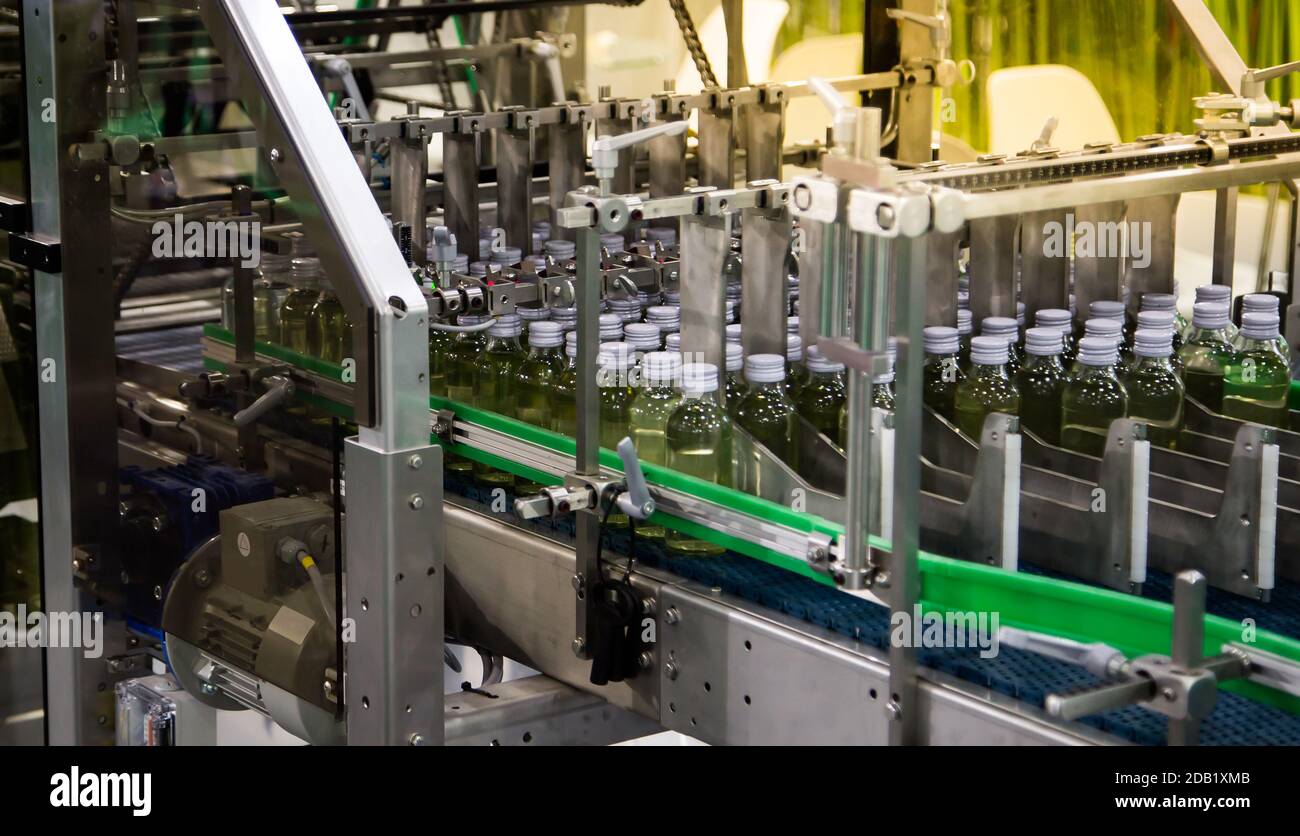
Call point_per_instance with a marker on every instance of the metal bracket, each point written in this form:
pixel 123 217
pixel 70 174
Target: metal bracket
pixel 36 252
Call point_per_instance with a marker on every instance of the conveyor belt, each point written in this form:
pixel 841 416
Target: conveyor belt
pixel 1236 721
pixel 180 349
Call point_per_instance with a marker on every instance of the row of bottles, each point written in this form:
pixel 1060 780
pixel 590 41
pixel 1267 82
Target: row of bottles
pixel 1067 388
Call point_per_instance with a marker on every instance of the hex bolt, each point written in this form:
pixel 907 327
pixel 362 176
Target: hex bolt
pixel 416 502
pixel 414 462
pixel 579 583
pixel 579 646
pixel 670 670
pixel 417 739
pixel 645 660
pixel 672 616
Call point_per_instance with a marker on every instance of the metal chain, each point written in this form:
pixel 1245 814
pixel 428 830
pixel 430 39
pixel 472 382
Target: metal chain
pixel 693 44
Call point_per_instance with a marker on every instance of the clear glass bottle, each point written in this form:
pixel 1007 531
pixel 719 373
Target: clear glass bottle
pixel 564 413
pixel 615 364
pixel 1168 303
pixel 461 374
pixel 329 333
pixel 1160 320
pixel 655 401
pixel 530 314
pixel 307 276
pixel 1257 380
pixel 1206 352
pixel 1262 303
pixel 734 385
pixel 1093 397
pixel 766 412
pixel 269 294
pixel 534 386
pixel 882 386
pixel 964 327
pixel 498 367
pixel 1214 294
pixel 796 374
pixel 1005 328
pixel 698 437
pixel 988 386
pixel 440 343
pixel 1060 319
pixel 1041 382
pixel 823 396
pixel 942 371
pixel 1155 392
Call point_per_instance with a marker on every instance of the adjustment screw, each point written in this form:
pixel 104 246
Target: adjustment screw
pixel 672 616
pixel 416 502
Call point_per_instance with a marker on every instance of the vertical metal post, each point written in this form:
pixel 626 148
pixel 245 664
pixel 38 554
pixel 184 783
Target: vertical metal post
pixel 705 243
pixel 870 327
pixel 409 157
pixel 1044 275
pixel 764 282
pixel 1159 214
pixel 245 328
pixel 588 428
pixel 941 277
pixel 567 163
pixel 1188 644
pixel 460 183
pixel 915 116
pixel 717 143
pixel 514 145
pixel 1225 236
pixel 764 133
pixel 65 82
pixel 1099 276
pixel 904 573
pixel 993 267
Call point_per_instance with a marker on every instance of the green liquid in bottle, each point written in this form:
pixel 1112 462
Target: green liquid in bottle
pixel 648 418
pixel 734 390
pixel 461 371
pixel 820 403
pixel 1204 357
pixel 535 385
pixel 616 398
pixel 564 412
pixel 941 375
pixel 768 415
pixel 498 366
pixel 329 334
pixel 986 389
pixel 293 319
pixel 1155 395
pixel 1093 397
pixel 882 393
pixel 698 436
pixel 1256 385
pixel 1041 382
pixel 440 343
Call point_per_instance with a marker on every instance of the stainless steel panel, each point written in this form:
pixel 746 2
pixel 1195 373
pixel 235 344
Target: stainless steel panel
pixel 705 243
pixel 764 282
pixel 992 268
pixel 461 191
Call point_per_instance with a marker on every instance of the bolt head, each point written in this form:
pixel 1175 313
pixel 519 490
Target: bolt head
pixel 579 647
pixel 417 739
pixel 276 156
pixel 670 670
pixel 415 462
pixel 578 582
pixel 645 660
pixel 416 502
pixel 672 616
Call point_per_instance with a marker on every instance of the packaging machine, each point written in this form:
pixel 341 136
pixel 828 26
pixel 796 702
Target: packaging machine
pixel 274 526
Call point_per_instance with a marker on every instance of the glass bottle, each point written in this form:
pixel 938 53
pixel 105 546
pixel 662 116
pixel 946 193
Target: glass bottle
pixel 1110 309
pixel 1160 320
pixel 1006 329
pixel 823 396
pixel 329 333
pixel 1215 294
pixel 882 385
pixel 698 438
pixel 1041 382
pixel 766 412
pixel 1093 397
pixel 1060 319
pixel 564 413
pixel 1257 380
pixel 988 386
pixel 942 371
pixel 1155 392
pixel 1206 351
pixel 534 386
pixel 461 372
pixel 1262 303
pixel 440 343
pixel 655 401
pixel 796 374
pixel 964 327
pixel 306 274
pixel 498 366
pixel 734 386
pixel 1168 303
pixel 615 363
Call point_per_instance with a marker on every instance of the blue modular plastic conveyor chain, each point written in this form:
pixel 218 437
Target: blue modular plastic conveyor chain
pixel 1236 721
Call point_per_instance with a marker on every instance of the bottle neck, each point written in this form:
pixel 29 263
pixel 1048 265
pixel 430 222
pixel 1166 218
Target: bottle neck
pixel 1209 335
pixel 1164 363
pixel 504 344
pixel 981 371
pixel 1084 370
pixel 1043 361
pixel 544 350
pixel 1256 344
